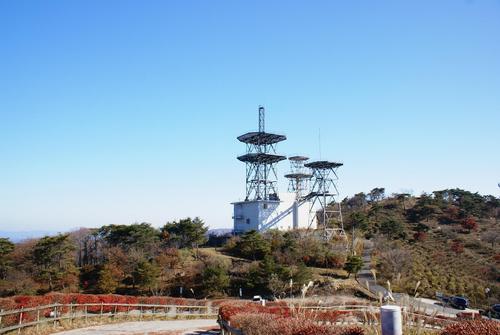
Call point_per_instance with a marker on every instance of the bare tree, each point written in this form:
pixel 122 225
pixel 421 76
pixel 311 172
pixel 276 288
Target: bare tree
pixel 491 237
pixel 395 261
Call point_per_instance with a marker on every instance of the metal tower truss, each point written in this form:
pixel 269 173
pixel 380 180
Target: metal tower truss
pixel 324 192
pixel 260 160
pixel 298 177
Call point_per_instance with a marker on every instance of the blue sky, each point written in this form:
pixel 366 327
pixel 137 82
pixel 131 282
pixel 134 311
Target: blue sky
pixel 125 111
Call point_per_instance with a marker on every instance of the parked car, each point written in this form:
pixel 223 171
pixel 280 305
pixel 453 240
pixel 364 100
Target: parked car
pixel 492 312
pixel 443 298
pixel 257 298
pixel 459 302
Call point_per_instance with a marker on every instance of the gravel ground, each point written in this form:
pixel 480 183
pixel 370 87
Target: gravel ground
pixel 177 327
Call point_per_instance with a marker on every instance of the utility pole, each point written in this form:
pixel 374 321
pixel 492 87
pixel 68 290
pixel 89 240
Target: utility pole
pixel 352 242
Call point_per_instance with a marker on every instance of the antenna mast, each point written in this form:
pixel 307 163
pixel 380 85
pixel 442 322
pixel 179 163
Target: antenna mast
pixel 262 115
pixel 260 160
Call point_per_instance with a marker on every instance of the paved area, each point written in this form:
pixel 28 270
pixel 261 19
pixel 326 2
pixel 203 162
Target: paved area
pixel 186 327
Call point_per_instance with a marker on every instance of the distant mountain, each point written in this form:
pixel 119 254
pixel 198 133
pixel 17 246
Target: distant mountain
pixel 17 236
pixel 220 231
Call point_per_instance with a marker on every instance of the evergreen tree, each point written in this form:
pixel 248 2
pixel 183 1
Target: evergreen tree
pixel 353 265
pixel 54 260
pixel 6 247
pixel 215 279
pixel 186 233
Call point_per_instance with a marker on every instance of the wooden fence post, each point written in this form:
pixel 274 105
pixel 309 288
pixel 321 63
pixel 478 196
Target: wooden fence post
pixel 86 316
pixel 1 311
pixel 37 321
pixel 71 313
pixel 55 316
pixel 102 306
pixel 20 320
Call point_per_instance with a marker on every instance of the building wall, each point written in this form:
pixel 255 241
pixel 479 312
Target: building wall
pixel 262 215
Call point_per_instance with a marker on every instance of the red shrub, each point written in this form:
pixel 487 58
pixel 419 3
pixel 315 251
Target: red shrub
pixel 268 324
pixel 469 223
pixel 473 327
pixel 8 304
pixel 497 258
pixel 226 311
pixel 457 247
pixel 420 236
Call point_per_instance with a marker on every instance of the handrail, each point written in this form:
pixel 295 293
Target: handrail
pixel 78 311
pixel 31 309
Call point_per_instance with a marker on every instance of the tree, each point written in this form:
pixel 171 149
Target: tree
pixel 139 236
pixel 491 237
pixel 186 233
pixel 253 246
pixel 402 197
pixel 425 208
pixel 358 220
pixel 277 286
pixel 53 256
pixel 358 201
pixel 393 229
pixel 146 275
pixel 109 278
pixel 6 247
pixel 394 261
pixel 301 274
pixel 353 265
pixel 376 194
pixel 470 224
pixel 215 279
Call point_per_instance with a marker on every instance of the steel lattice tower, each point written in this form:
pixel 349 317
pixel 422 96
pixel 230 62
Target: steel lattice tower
pixel 323 194
pixel 260 160
pixel 298 177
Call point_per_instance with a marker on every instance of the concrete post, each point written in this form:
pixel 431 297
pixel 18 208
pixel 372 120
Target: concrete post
pixel 391 320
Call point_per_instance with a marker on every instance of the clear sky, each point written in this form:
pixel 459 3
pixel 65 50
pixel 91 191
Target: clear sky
pixel 114 112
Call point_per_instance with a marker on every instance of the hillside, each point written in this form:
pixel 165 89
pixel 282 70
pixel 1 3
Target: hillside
pixel 440 242
pixel 445 241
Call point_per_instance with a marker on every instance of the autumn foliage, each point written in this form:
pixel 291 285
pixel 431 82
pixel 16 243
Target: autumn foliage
pixel 270 324
pixel 473 327
pixel 254 319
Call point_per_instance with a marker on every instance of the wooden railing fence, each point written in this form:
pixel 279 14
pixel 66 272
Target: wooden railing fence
pixel 35 316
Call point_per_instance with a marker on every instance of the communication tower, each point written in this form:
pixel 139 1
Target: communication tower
pixel 298 177
pixel 262 208
pixel 324 191
pixel 260 160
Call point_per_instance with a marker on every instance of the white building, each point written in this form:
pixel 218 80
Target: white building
pixel 283 214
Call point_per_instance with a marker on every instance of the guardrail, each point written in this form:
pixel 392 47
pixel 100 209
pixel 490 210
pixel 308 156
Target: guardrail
pixel 54 313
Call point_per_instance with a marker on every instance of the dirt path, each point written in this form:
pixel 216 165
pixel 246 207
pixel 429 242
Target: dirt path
pixel 177 327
